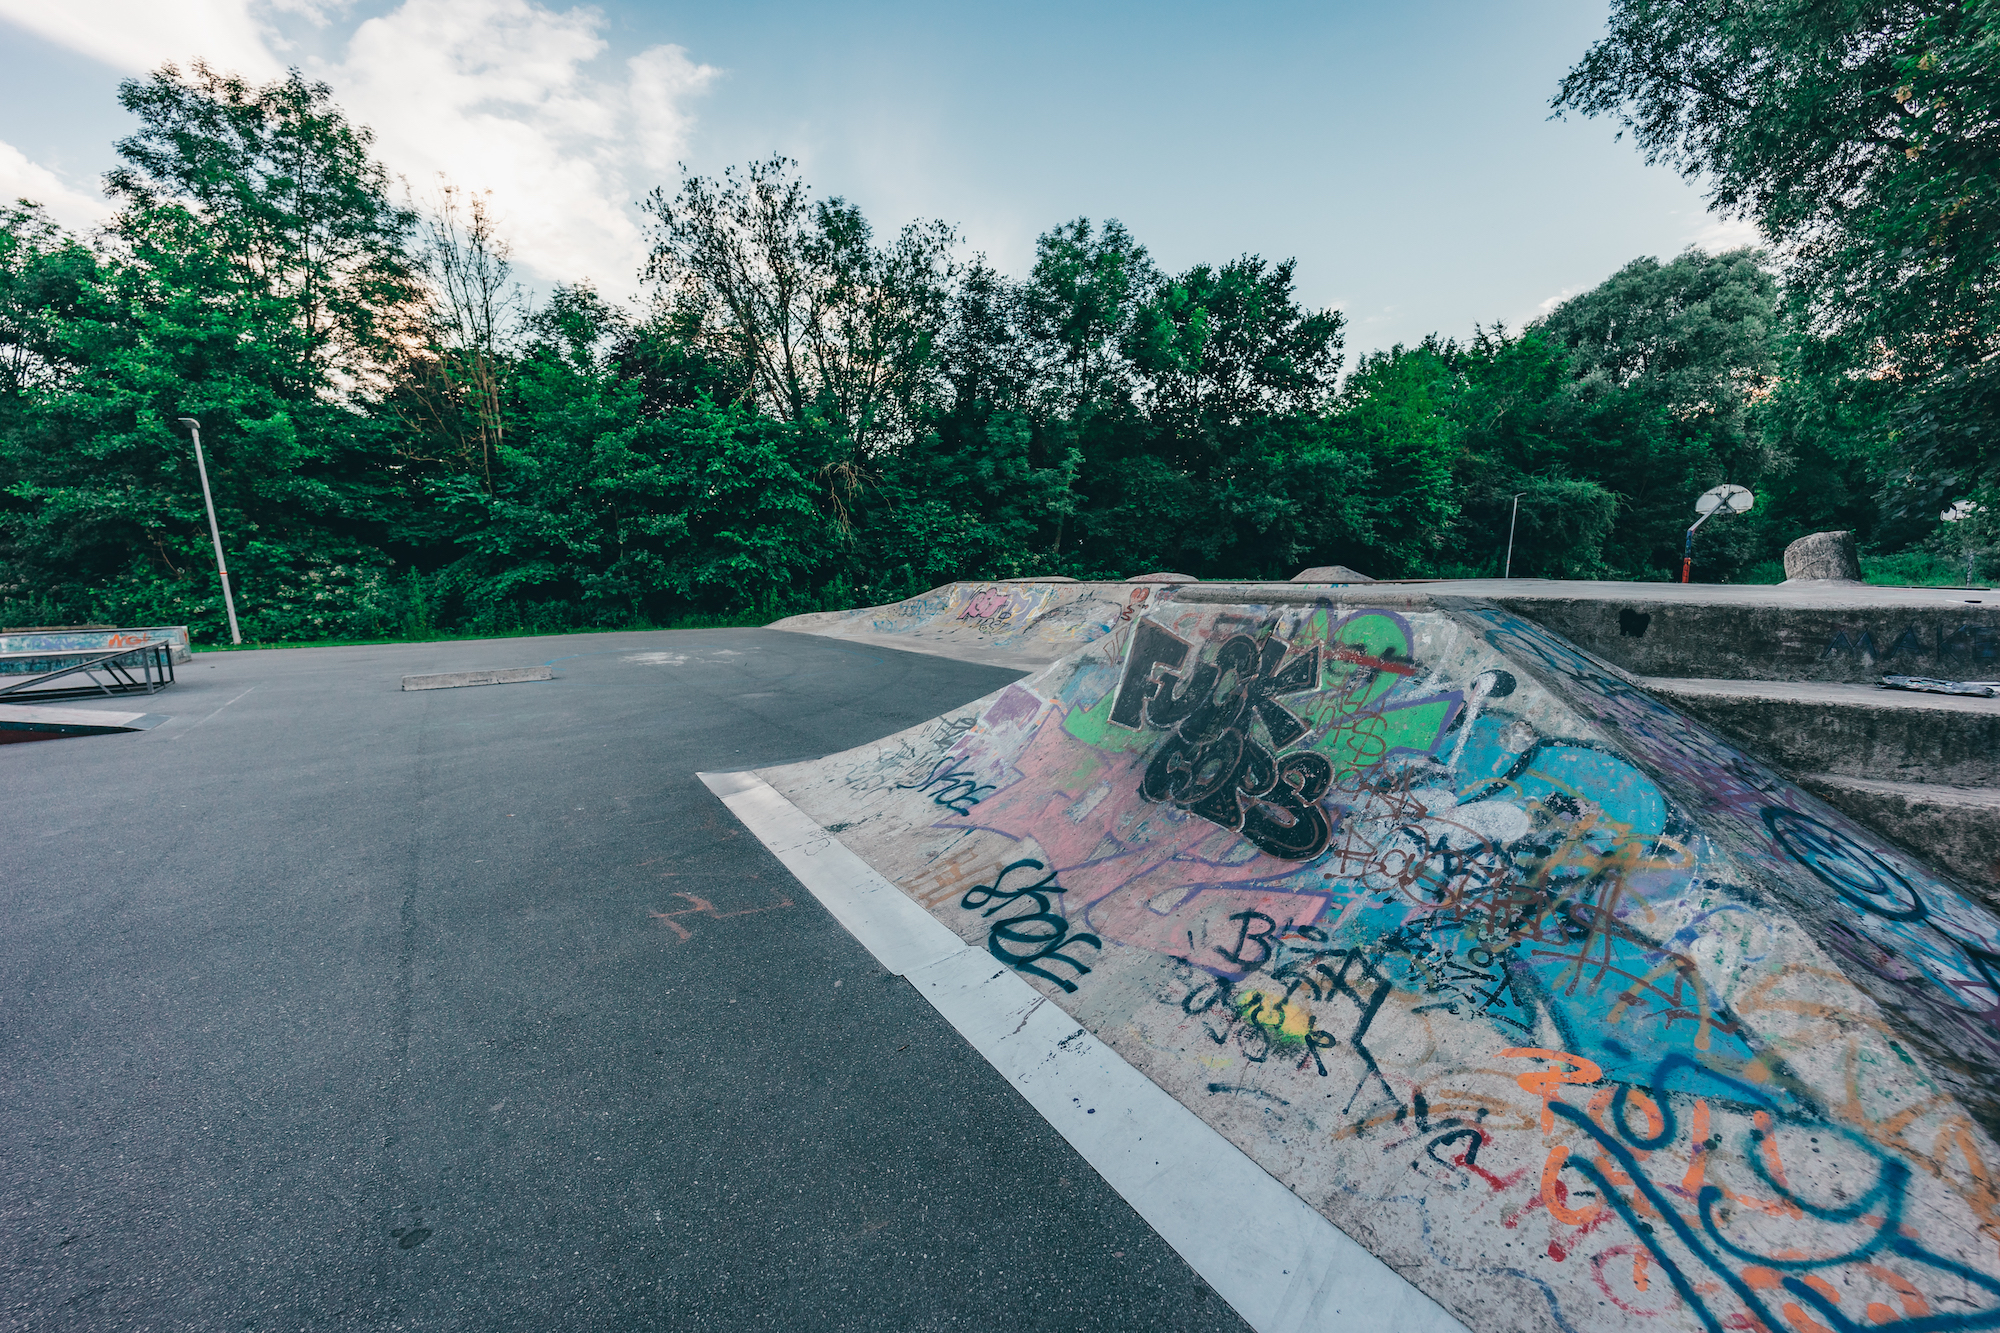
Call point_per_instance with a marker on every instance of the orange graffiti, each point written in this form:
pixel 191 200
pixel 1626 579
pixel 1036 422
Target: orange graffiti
pixel 703 907
pixel 1544 1083
pixel 1555 1197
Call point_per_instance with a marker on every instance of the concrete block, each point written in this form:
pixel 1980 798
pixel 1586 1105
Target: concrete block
pixel 1823 555
pixel 452 680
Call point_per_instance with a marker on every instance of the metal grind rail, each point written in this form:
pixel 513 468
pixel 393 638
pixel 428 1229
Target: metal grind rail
pixel 145 669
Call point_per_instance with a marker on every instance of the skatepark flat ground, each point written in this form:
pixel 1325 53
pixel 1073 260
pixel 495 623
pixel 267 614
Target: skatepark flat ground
pixel 325 1005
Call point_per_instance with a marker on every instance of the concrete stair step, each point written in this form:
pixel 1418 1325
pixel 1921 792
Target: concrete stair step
pixel 1850 731
pixel 1812 632
pixel 1955 828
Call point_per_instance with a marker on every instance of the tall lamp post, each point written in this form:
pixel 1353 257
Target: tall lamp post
pixel 1510 534
pixel 221 566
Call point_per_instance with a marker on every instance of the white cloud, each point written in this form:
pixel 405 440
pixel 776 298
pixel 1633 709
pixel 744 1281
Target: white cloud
pixel 139 35
pixel 22 179
pixel 495 94
pixel 1548 303
pixel 1717 234
pixel 498 95
pixel 663 78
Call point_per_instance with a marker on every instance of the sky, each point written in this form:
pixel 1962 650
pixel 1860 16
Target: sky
pixel 1402 153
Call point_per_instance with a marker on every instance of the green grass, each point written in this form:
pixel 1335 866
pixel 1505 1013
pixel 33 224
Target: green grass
pixel 741 620
pixel 1917 569
pixel 1907 569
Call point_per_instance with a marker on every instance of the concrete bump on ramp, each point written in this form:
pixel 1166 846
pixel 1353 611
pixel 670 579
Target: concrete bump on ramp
pixel 1568 1011
pixel 1018 623
pixel 457 680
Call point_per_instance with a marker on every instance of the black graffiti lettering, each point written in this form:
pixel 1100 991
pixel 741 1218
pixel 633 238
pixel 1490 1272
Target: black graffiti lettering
pixel 1861 645
pixel 1470 1157
pixel 1244 935
pixel 1317 1040
pixel 1286 819
pixel 1026 941
pixel 1976 641
pixel 1152 647
pixel 1212 763
pixel 957 789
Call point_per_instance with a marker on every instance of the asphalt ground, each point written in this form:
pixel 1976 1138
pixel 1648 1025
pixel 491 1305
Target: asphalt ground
pixel 324 1005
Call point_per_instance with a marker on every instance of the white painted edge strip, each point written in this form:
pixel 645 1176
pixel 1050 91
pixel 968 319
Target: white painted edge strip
pixel 453 680
pixel 1281 1265
pixel 43 716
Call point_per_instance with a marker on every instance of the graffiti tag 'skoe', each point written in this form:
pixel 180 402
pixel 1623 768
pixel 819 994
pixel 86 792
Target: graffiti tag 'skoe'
pixel 1573 1014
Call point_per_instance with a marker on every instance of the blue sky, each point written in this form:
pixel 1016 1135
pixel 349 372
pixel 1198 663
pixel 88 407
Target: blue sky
pixel 1403 153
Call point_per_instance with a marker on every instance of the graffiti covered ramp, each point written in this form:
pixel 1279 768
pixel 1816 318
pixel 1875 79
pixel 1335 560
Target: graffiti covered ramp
pixel 1574 1016
pixel 1022 623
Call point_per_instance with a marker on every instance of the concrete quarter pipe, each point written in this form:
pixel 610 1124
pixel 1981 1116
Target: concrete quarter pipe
pixel 1571 1013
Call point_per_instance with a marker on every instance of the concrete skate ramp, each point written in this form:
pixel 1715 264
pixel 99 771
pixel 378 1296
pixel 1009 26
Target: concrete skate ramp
pixel 1019 623
pixel 1574 1015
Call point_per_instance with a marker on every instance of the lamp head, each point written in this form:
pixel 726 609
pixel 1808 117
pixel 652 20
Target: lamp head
pixel 190 423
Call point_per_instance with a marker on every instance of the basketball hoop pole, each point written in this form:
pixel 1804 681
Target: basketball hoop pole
pixel 1687 552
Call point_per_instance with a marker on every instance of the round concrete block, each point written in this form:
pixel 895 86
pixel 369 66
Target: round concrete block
pixel 1330 574
pixel 1823 556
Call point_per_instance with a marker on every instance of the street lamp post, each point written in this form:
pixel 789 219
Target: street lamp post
pixel 1509 573
pixel 221 566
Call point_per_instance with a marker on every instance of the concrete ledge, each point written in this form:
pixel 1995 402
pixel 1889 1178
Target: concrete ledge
pixel 1855 731
pixel 452 680
pixel 1957 828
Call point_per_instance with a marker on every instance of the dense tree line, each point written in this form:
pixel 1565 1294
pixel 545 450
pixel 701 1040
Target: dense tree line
pixel 804 413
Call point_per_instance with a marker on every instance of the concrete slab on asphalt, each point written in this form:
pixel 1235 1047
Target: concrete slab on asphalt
pixel 458 680
pixel 474 1009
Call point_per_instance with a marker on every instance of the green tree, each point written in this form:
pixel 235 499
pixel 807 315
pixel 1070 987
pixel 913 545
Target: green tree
pixel 1864 139
pixel 248 281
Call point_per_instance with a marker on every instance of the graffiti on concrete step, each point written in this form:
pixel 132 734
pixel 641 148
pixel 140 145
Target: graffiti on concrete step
pixel 1921 947
pixel 1966 643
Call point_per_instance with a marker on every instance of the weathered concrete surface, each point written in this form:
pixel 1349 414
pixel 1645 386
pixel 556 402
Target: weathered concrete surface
pixel 1856 731
pixel 43 722
pixel 1823 555
pixel 1330 574
pixel 455 680
pixel 1806 632
pixel 1802 632
pixel 78 643
pixel 1957 828
pixel 1021 624
pixel 1577 1016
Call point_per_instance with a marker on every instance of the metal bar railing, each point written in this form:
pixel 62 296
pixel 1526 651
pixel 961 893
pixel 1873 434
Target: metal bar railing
pixel 145 669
